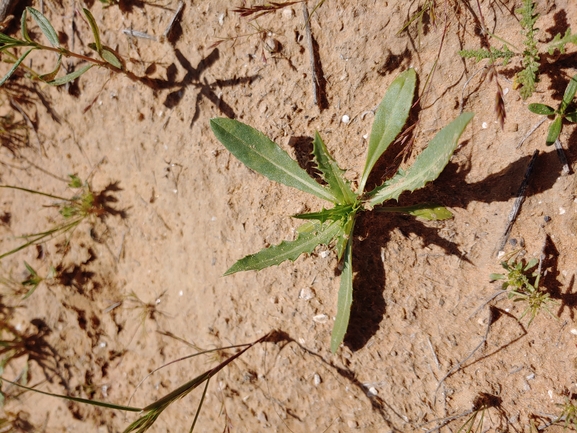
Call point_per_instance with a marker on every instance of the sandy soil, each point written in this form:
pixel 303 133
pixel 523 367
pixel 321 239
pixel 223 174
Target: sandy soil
pixel 138 287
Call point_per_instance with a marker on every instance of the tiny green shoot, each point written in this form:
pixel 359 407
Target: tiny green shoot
pixel 522 285
pixel 560 113
pixel 335 226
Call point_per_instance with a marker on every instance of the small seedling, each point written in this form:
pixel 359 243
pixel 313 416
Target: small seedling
pixel 335 226
pixel 568 412
pixel 559 113
pixel 74 210
pixel 527 78
pixel 522 285
pixel 108 57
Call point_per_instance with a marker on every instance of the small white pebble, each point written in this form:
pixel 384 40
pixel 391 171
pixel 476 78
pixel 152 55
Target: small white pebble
pixel 501 254
pixel 550 393
pixel 324 254
pixel 302 341
pixel 321 318
pixel 288 13
pixel 373 391
pixel 484 125
pixel 366 136
pixel 221 19
pixel 573 331
pixel 561 211
pixel 180 293
pixel 505 91
pixel 345 119
pixel 530 376
pixel 306 293
pixel 102 344
pixel 317 379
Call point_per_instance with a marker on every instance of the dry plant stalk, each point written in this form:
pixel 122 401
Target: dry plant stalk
pixel 263 9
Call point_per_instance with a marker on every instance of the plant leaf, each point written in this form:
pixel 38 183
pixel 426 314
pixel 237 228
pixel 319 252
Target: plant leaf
pixel 94 28
pixel 45 26
pixel 569 94
pixel 345 299
pixel 259 153
pixel 15 66
pixel 390 118
pixel 428 165
pixel 541 109
pixel 431 212
pixel 24 27
pixel 110 57
pixel 572 117
pixel 69 77
pixel 288 250
pixel 554 131
pixel 331 172
pixel 51 75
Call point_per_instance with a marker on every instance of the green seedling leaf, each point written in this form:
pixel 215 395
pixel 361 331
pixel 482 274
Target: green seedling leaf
pixel 428 165
pixel 75 181
pixel 554 131
pixel 94 28
pixel 15 66
pixel 110 57
pixel 337 213
pixel 259 153
pixel 495 277
pixel 24 27
pixel 569 94
pixel 542 109
pixel 70 77
pixel 431 212
pixel 571 117
pixel 287 250
pixel 331 172
pixel 390 118
pixel 51 75
pixel 345 299
pixel 45 26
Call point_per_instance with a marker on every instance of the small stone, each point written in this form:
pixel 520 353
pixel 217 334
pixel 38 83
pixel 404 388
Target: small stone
pixel 484 125
pixel 321 318
pixel 373 392
pixel 306 294
pixel 272 45
pixel 573 331
pixel 317 379
pixel 288 13
pixel 345 119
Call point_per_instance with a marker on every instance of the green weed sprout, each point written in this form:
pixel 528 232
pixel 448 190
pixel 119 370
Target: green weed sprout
pixel 527 78
pixel 522 285
pixel 335 226
pixel 568 412
pixel 74 210
pixel 34 280
pixel 559 113
pixel 108 57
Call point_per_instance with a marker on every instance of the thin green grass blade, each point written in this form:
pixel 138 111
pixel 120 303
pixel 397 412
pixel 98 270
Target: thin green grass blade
pixel 288 250
pixel 70 77
pixel 431 212
pixel 32 191
pixel 569 94
pixel 45 26
pixel 94 28
pixel 76 399
pixel 332 174
pixel 428 165
pixel 15 66
pixel 345 299
pixel 199 406
pixel 259 153
pixel 390 118
pixel 554 131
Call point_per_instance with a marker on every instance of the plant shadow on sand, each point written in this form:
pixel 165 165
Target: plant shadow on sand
pixel 451 190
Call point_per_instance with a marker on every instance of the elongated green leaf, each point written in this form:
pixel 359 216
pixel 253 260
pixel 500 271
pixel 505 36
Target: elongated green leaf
pixel 259 153
pixel 51 75
pixel 431 212
pixel 541 109
pixel 70 77
pixel 331 172
pixel 24 27
pixel 554 131
pixel 45 26
pixel 288 250
pixel 94 28
pixel 15 66
pixel 390 118
pixel 572 117
pixel 339 212
pixel 345 299
pixel 428 165
pixel 569 94
pixel 110 57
